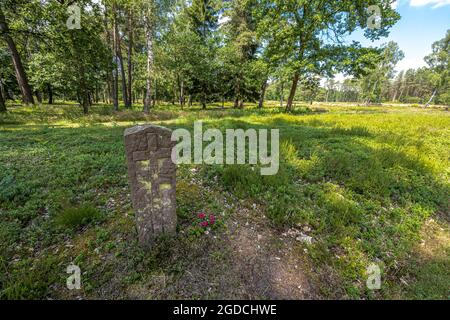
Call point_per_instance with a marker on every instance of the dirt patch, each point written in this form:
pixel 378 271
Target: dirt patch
pixel 247 259
pixel 269 263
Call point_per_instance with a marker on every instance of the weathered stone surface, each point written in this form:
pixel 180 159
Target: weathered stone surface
pixel 151 173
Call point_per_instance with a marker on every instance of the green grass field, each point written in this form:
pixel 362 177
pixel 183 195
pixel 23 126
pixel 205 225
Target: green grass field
pixel 368 184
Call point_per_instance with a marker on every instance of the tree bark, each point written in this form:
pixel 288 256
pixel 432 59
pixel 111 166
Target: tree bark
pixel 155 87
pixel 50 93
pixel 262 94
pixel 237 93
pixel 236 102
pixel 182 93
pixel 148 89
pixel 2 103
pixel 83 96
pixel 204 100
pixel 3 90
pixel 84 91
pixel 122 70
pixel 281 94
pixel 431 98
pixel 292 92
pixel 115 80
pixel 17 62
pixel 38 96
pixel 129 56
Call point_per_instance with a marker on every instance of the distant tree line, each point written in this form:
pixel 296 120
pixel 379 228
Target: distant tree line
pixel 146 51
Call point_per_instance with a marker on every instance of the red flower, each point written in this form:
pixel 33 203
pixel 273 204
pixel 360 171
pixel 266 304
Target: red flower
pixel 204 223
pixel 212 219
pixel 201 215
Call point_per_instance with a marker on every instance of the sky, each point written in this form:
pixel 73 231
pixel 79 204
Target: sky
pixel 422 23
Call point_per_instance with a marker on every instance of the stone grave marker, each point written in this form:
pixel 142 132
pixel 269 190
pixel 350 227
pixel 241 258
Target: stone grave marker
pixel 152 176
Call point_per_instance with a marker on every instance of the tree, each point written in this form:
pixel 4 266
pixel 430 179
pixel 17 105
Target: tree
pixel 83 52
pixel 301 32
pixel 180 47
pixel 130 43
pixel 203 21
pixel 377 79
pixel 240 48
pixel 17 61
pixel 47 73
pixel 149 19
pixel 2 103
pixel 438 61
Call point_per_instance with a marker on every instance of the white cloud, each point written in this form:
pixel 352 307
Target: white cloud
pixel 434 3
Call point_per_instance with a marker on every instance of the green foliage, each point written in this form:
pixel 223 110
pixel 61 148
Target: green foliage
pixel 29 281
pixel 75 217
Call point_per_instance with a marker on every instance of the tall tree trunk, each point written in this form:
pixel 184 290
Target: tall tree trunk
pixel 38 96
pixel 394 96
pixel 84 91
pixel 115 80
pixel 281 94
pixel 182 93
pixel 122 70
pixel 107 90
pixel 204 100
pixel 155 87
pixel 292 92
pixel 129 56
pixel 431 98
pixel 236 102
pixel 400 94
pixel 148 89
pixel 3 90
pixel 17 62
pixel 262 94
pixel 85 103
pixel 50 93
pixel 237 92
pixel 2 103
pixel 375 87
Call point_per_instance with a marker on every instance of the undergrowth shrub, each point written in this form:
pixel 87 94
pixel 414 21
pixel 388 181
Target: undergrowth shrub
pixel 75 217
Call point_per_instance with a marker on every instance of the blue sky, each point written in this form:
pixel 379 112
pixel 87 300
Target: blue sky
pixel 422 23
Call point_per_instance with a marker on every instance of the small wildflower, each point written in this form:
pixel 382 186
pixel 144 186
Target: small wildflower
pixel 201 215
pixel 204 223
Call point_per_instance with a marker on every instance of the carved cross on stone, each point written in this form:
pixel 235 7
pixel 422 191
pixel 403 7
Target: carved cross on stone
pixel 152 176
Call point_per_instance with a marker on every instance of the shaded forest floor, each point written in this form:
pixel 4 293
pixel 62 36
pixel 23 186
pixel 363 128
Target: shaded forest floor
pixel 364 184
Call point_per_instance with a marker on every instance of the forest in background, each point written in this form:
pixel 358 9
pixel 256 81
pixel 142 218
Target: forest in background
pixel 201 51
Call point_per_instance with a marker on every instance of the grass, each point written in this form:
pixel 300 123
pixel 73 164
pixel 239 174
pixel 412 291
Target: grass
pixel 367 181
pixel 75 217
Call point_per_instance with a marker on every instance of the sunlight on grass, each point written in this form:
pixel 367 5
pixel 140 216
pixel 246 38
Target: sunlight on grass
pixel 364 179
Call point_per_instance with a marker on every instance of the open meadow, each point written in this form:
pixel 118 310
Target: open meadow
pixel 357 185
